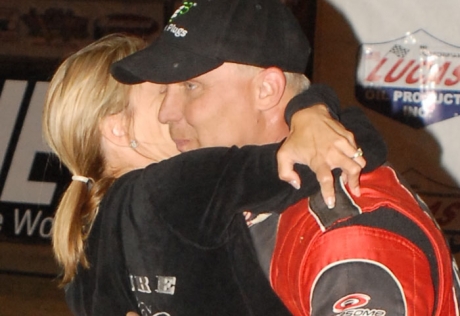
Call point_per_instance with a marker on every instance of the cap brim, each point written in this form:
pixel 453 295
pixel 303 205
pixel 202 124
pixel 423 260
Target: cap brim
pixel 163 63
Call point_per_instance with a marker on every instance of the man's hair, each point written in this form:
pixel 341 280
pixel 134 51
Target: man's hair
pixel 297 82
pixel 81 93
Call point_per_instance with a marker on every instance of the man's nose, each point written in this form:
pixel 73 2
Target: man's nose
pixel 172 107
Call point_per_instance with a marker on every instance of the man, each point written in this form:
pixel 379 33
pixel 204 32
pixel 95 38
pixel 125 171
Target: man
pixel 339 140
pixel 231 67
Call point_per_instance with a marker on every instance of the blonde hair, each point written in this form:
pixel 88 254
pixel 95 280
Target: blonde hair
pixel 80 94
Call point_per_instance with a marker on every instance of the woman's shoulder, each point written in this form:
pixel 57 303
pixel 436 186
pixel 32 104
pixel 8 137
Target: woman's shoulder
pixel 126 180
pixel 121 188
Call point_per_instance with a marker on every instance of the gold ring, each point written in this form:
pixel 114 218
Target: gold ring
pixel 358 153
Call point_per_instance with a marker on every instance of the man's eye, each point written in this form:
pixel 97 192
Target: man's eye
pixel 190 86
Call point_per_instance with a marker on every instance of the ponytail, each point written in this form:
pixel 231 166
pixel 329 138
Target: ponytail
pixel 71 228
pixel 81 93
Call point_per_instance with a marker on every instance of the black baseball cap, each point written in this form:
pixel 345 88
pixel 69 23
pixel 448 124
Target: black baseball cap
pixel 203 34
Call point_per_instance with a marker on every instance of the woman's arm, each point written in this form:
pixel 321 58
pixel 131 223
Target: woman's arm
pixel 199 192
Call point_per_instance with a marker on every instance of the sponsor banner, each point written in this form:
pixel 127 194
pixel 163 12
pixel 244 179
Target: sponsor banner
pixel 37 33
pixel 31 178
pixel 408 74
pixel 414 79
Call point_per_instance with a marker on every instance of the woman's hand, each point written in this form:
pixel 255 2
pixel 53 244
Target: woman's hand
pixel 322 143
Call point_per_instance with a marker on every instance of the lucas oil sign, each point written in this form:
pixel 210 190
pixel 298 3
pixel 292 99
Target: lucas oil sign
pixel 414 79
pixel 31 179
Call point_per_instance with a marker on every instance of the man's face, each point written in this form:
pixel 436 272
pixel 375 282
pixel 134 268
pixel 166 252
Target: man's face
pixel 214 109
pixel 153 138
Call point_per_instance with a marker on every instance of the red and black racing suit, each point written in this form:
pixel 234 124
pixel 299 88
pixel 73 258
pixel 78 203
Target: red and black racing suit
pixel 377 254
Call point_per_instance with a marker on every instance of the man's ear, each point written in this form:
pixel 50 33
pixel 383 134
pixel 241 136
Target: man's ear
pixel 271 84
pixel 114 128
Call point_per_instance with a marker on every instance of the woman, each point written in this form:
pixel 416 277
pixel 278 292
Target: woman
pixel 163 240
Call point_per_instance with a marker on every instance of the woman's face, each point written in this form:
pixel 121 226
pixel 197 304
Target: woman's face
pixel 152 137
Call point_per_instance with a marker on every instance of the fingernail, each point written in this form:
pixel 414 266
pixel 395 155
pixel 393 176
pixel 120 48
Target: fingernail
pixel 295 184
pixel 330 203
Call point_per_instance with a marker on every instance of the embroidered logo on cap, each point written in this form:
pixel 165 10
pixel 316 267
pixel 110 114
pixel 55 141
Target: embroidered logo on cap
pixel 173 28
pixel 184 8
pixel 177 31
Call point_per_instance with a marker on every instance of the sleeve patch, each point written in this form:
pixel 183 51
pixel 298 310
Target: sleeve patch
pixel 357 287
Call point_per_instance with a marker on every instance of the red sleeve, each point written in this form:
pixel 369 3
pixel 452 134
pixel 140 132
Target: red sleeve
pixel 351 268
pixel 388 259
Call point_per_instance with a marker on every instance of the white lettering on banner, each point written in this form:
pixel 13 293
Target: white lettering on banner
pixel 31 224
pixel 10 102
pixel 415 111
pixel 418 96
pixel 30 141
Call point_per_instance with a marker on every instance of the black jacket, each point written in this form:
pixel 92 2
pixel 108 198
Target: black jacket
pixel 169 240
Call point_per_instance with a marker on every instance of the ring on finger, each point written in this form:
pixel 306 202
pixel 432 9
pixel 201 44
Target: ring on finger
pixel 358 153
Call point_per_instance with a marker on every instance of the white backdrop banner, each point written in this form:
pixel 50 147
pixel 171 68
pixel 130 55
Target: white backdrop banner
pixel 408 71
